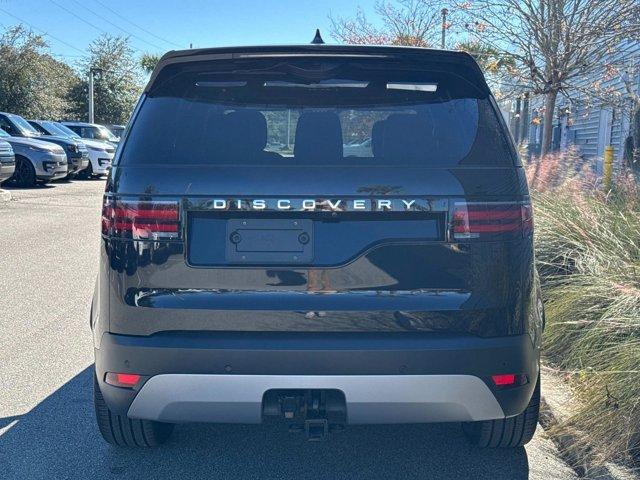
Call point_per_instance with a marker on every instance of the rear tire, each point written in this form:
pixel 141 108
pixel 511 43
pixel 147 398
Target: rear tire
pixel 85 174
pixel 508 432
pixel 122 431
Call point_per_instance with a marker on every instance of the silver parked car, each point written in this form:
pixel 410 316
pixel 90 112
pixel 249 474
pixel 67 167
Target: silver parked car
pixel 35 161
pixel 76 151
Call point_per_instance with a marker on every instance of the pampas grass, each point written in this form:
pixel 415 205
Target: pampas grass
pixel 588 255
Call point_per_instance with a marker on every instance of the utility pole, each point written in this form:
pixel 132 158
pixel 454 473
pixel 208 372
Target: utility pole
pixel 288 128
pixel 524 119
pixel 92 72
pixel 445 12
pixel 91 95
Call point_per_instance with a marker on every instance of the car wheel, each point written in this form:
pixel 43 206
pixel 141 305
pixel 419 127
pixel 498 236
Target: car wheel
pixel 24 174
pixel 508 432
pixel 122 431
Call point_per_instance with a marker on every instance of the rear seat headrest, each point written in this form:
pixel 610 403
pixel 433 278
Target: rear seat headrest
pixel 245 132
pixel 318 138
pixel 407 137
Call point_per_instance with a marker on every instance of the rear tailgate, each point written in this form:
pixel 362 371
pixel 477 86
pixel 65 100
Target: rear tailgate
pixel 368 270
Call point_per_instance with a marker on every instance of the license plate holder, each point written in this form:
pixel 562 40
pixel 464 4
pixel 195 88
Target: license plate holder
pixel 269 241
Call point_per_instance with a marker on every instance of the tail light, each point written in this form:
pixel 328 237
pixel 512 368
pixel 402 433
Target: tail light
pixel 491 220
pixel 126 380
pixel 140 219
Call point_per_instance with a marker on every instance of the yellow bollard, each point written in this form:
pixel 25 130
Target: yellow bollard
pixel 608 167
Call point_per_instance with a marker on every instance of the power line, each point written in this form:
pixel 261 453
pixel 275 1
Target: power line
pixel 136 25
pixel 133 35
pixel 43 32
pixel 64 55
pixel 87 21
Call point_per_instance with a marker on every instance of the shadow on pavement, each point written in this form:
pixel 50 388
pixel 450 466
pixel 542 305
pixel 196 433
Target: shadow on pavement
pixel 59 439
pixel 39 186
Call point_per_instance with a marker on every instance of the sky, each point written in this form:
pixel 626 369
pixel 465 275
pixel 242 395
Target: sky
pixel 156 26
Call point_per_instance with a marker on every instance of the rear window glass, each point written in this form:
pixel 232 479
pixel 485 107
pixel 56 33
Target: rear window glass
pixel 316 113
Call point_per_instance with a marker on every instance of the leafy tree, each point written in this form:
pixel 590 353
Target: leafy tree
pixel 490 60
pixel 32 83
pixel 499 69
pixel 148 61
pixel 117 80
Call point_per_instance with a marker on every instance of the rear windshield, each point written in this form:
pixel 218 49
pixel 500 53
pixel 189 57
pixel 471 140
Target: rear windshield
pixel 310 112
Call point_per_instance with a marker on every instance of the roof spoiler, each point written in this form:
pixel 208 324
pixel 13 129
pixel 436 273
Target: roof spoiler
pixel 412 54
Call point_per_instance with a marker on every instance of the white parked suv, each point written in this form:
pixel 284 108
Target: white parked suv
pixel 92 131
pixel 100 151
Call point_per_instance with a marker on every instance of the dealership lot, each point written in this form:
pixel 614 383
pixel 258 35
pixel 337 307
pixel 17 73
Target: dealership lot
pixel 49 242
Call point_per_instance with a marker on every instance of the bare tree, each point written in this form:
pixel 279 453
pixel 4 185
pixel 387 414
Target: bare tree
pixel 406 22
pixel 553 42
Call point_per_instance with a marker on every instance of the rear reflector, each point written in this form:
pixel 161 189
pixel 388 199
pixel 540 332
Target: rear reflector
pixel 140 220
pixel 126 380
pixel 505 380
pixel 491 219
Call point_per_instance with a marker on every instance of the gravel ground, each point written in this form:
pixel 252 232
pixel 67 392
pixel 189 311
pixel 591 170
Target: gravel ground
pixel 48 262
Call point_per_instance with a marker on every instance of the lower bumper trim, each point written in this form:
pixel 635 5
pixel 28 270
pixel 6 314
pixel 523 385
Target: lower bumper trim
pixel 371 399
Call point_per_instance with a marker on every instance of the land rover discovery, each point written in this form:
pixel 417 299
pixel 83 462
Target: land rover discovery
pixel 252 266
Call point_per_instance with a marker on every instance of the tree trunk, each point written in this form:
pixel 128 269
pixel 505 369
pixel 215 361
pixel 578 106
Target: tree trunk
pixel 631 154
pixel 524 124
pixel 547 123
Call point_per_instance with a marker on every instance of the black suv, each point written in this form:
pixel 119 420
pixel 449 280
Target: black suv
pixel 252 266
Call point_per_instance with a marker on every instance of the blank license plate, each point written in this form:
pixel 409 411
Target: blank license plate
pixel 273 241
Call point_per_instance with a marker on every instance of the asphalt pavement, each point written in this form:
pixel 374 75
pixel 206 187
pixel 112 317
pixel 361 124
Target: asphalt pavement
pixel 49 241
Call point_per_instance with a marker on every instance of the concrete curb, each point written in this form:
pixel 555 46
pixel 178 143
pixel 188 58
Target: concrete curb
pixel 556 407
pixel 5 196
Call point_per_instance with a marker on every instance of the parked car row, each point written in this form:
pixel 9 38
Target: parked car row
pixel 39 151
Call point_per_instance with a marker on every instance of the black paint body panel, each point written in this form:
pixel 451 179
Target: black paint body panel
pixel 367 280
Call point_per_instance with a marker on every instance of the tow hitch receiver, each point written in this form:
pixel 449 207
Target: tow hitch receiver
pixel 314 412
pixel 317 430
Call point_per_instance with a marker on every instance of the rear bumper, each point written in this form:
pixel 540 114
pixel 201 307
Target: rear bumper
pixel 176 398
pixel 386 378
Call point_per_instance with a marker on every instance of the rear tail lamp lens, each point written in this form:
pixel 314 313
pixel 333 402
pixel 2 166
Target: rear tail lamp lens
pixel 140 219
pixel 491 219
pixel 125 380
